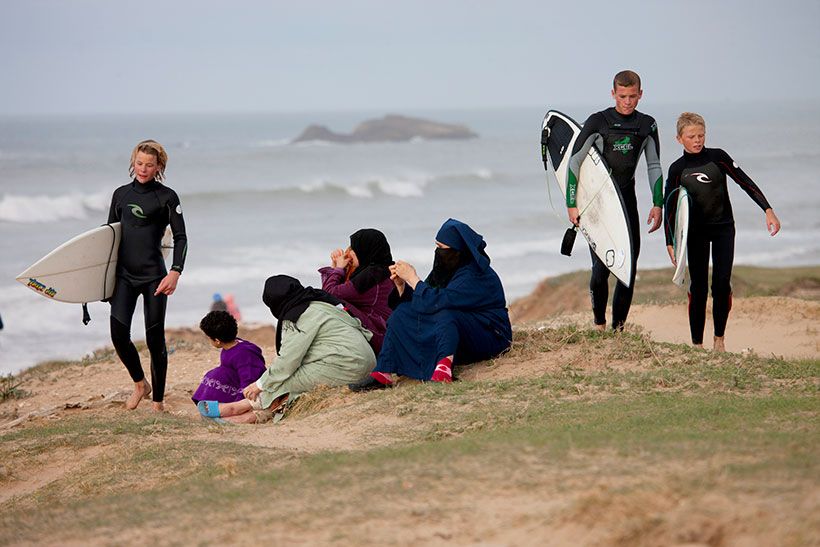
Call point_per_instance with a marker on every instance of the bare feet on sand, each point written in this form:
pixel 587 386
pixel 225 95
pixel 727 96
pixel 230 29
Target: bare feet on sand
pixel 719 344
pixel 142 390
pixel 698 346
pixel 599 327
pixel 158 406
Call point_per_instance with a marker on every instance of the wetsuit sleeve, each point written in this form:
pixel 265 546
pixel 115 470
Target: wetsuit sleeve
pixel 728 166
pixel 586 138
pixel 114 213
pixel 670 200
pixel 652 152
pixel 178 230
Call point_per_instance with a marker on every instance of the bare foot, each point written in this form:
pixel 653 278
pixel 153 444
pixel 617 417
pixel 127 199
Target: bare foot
pixel 600 327
pixel 158 406
pixel 699 346
pixel 719 346
pixel 142 390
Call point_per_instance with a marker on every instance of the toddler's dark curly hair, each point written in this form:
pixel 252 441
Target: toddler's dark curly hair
pixel 219 325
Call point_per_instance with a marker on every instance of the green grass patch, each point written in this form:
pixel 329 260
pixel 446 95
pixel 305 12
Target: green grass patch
pixel 759 437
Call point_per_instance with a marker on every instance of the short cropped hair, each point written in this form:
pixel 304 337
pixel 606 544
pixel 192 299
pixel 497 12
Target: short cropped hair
pixel 152 148
pixel 626 78
pixel 689 118
pixel 219 325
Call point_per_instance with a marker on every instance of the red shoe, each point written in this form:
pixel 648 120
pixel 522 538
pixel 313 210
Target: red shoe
pixel 443 372
pixel 382 378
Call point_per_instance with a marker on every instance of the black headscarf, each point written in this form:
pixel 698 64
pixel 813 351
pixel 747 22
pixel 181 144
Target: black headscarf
pixel 374 256
pixel 288 300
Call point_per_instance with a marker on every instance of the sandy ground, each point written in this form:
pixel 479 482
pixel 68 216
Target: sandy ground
pixel 768 326
pixel 592 512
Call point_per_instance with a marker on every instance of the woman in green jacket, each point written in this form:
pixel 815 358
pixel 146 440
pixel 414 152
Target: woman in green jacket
pixel 317 343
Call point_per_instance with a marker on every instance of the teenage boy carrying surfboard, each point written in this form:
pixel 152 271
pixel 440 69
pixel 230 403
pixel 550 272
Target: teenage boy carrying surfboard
pixel 621 134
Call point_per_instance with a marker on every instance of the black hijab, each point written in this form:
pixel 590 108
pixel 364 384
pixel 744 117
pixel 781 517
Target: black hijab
pixel 374 256
pixel 288 299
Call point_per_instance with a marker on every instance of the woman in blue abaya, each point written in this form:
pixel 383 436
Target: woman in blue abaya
pixel 458 315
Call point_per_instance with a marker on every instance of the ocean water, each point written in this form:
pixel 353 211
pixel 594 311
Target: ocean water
pixel 256 205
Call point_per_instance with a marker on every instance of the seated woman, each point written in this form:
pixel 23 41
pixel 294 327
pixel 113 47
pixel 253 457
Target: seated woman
pixel 240 362
pixel 360 277
pixel 457 315
pixel 317 343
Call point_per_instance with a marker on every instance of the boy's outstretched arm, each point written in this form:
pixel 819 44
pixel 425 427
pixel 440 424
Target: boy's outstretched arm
pixel 731 168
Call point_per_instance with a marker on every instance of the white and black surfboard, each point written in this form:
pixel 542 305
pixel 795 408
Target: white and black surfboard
pixel 603 220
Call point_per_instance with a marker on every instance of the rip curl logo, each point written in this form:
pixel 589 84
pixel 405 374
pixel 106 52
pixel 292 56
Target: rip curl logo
pixel 623 146
pixel 701 177
pixel 137 211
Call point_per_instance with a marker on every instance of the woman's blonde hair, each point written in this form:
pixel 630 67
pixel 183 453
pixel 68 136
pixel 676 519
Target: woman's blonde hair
pixel 152 148
pixel 689 118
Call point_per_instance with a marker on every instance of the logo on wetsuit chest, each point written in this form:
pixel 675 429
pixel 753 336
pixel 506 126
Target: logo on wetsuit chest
pixel 700 177
pixel 137 211
pixel 623 145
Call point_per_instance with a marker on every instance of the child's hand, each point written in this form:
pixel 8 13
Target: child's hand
pixel 671 251
pixel 772 222
pixel 251 392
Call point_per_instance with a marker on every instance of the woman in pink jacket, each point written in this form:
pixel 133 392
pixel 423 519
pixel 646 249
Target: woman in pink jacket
pixel 359 276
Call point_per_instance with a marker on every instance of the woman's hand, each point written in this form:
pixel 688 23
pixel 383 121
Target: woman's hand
pixel 339 259
pixel 671 250
pixel 251 392
pixel 168 284
pixel 406 272
pixel 397 281
pixel 772 222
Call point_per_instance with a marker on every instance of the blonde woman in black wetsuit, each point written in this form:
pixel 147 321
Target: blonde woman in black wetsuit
pixel 145 207
pixel 702 171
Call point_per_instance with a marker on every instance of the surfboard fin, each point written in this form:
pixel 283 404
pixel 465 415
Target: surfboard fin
pixel 86 315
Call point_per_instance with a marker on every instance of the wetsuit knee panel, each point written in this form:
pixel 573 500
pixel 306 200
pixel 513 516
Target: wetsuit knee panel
pixel 120 333
pixel 155 337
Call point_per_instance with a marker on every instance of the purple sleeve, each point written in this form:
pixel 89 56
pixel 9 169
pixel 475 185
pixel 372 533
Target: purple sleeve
pixel 333 283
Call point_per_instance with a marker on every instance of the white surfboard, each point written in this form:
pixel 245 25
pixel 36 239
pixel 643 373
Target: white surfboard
pixel 603 220
pixel 681 236
pixel 83 269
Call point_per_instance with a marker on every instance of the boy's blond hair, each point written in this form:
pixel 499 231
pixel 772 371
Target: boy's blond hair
pixel 690 118
pixel 153 148
pixel 626 78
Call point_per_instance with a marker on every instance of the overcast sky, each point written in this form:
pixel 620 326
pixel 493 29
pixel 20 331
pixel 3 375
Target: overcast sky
pixel 112 56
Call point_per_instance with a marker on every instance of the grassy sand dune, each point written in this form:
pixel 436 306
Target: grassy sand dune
pixel 575 437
